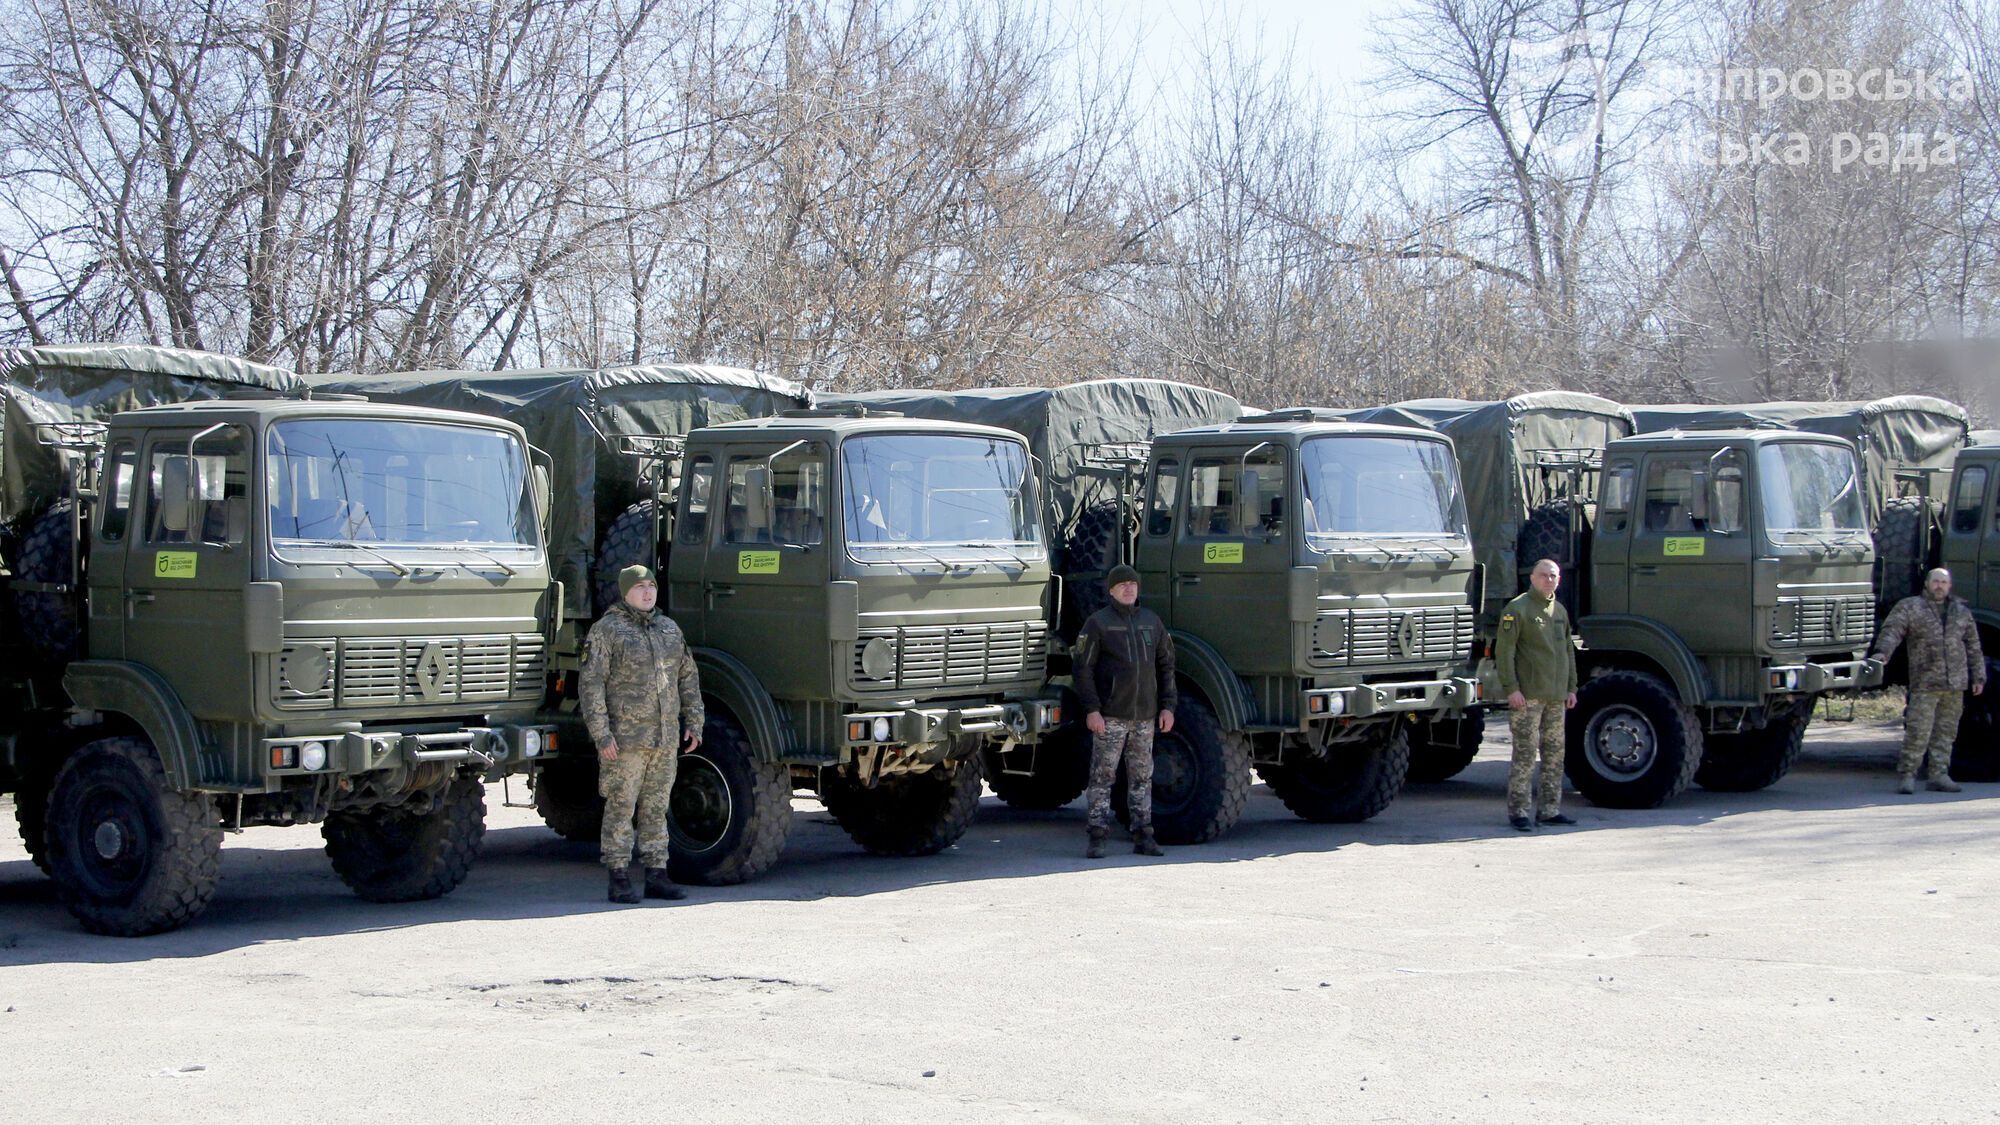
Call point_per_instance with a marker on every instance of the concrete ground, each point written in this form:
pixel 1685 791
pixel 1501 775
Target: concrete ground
pixel 1823 950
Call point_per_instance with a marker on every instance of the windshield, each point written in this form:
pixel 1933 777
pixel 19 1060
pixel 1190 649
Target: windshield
pixel 1375 486
pixel 909 490
pixel 1809 488
pixel 366 480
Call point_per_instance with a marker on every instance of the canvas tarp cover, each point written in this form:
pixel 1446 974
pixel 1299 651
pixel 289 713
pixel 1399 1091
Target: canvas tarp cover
pixel 1060 423
pixel 1498 445
pixel 576 417
pixel 91 382
pixel 1899 433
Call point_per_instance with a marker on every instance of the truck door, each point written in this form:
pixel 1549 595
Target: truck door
pixel 187 563
pixel 1971 542
pixel 1154 558
pixel 107 554
pixel 1690 559
pixel 764 582
pixel 1608 585
pixel 686 563
pixel 1232 558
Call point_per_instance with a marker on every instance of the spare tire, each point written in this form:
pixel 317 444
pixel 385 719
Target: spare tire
pixel 1902 550
pixel 48 619
pixel 1545 535
pixel 1089 553
pixel 628 541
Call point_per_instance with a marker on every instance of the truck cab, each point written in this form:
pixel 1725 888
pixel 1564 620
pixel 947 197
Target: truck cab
pixel 1970 549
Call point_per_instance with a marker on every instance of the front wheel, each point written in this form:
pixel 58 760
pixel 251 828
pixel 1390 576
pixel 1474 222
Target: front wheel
pixel 1201 778
pixel 907 814
pixel 1060 772
pixel 130 855
pixel 1445 745
pixel 729 813
pixel 566 796
pixel 1746 761
pixel 1632 744
pixel 1350 782
pixel 389 854
pixel 1975 756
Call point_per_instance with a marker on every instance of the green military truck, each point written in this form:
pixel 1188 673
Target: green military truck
pixel 864 601
pixel 1721 581
pixel 366 591
pixel 1317 578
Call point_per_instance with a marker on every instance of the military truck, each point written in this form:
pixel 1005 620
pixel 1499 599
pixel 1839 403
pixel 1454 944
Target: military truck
pixel 1318 581
pixel 1720 581
pixel 1970 549
pixel 364 594
pixel 864 602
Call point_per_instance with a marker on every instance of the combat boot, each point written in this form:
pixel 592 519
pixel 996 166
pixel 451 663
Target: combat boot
pixel 1143 844
pixel 622 890
pixel 1908 785
pixel 1943 783
pixel 660 885
pixel 1096 848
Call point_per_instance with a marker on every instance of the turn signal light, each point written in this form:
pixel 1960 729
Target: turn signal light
pixel 284 757
pixel 857 731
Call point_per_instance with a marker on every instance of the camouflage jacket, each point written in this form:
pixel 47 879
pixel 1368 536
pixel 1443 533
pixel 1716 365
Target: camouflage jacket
pixel 1533 654
pixel 639 684
pixel 1944 650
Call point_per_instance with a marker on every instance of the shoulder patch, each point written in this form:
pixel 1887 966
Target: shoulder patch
pixel 1505 617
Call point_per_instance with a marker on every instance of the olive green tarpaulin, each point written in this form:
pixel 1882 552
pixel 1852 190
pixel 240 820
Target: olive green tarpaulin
pixel 1499 446
pixel 1901 433
pixel 91 382
pixel 1061 423
pixel 576 416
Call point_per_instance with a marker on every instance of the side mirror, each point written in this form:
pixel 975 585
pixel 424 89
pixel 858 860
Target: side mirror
pixel 1247 513
pixel 757 498
pixel 538 480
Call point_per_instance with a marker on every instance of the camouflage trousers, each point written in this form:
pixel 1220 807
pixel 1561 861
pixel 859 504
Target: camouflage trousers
pixel 1538 729
pixel 1129 740
pixel 1930 724
pixel 636 787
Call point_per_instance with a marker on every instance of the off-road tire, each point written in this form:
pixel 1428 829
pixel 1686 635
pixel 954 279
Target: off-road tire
pixel 1441 748
pixel 1639 700
pixel 1089 553
pixel 1746 761
pixel 729 814
pixel 48 621
pixel 1201 778
pixel 1545 535
pixel 31 816
pixel 165 846
pixel 389 854
pixel 1061 771
pixel 1902 538
pixel 1975 755
pixel 628 541
pixel 566 796
pixel 1350 783
pixel 908 814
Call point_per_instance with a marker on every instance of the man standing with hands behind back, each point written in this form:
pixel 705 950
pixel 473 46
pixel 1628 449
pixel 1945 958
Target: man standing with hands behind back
pixel 1124 674
pixel 1536 662
pixel 641 699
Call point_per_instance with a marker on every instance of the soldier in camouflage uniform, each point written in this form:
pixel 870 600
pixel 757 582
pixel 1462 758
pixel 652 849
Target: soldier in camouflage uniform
pixel 1124 672
pixel 641 700
pixel 1944 660
pixel 1536 662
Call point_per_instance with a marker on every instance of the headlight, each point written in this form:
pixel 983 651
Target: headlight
pixel 1792 679
pixel 878 659
pixel 1336 704
pixel 312 756
pixel 531 743
pixel 881 731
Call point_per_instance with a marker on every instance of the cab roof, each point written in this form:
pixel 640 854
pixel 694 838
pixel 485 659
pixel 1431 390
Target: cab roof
pixel 278 409
pixel 1291 429
pixel 834 425
pixel 1733 435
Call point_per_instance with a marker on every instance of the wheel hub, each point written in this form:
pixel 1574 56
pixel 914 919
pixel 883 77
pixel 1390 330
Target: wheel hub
pixel 700 809
pixel 1174 775
pixel 109 839
pixel 1622 742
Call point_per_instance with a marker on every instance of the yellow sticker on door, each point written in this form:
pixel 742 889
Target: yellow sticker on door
pixel 1222 552
pixel 174 564
pixel 757 562
pixel 1686 546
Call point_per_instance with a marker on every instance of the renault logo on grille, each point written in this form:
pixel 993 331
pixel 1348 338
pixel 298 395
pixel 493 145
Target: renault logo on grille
pixel 1408 635
pixel 430 672
pixel 1839 619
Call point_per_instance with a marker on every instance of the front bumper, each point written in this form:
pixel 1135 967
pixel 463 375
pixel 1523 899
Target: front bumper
pixel 1453 694
pixel 1811 679
pixel 925 726
pixel 354 752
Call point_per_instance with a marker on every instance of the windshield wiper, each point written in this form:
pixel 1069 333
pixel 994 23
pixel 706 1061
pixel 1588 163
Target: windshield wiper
pixel 511 571
pixel 401 570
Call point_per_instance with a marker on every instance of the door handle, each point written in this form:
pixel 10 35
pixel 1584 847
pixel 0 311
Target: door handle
pixel 715 592
pixel 1187 579
pixel 1647 570
pixel 134 599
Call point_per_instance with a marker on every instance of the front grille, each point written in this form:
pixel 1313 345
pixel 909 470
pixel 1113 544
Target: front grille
pixel 384 671
pixel 1825 620
pixel 945 655
pixel 1391 636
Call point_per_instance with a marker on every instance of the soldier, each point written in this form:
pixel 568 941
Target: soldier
pixel 1944 659
pixel 641 696
pixel 1537 668
pixel 1124 675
